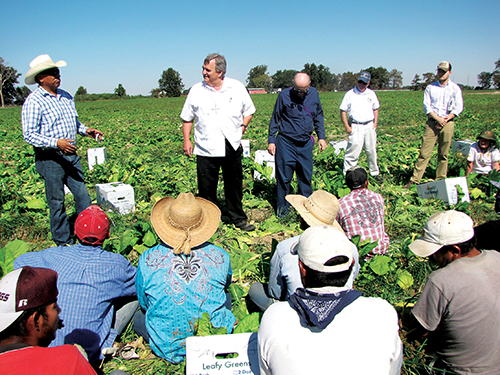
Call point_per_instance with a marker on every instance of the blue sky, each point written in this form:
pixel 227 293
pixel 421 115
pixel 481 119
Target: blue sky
pixel 131 42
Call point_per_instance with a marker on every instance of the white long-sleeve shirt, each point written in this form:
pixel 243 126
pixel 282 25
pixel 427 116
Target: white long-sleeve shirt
pixel 443 100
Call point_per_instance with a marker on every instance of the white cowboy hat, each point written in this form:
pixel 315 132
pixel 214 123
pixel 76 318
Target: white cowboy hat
pixel 184 222
pixel 38 65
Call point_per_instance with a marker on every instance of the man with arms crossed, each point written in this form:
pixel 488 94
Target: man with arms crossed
pixel 442 103
pixel 221 110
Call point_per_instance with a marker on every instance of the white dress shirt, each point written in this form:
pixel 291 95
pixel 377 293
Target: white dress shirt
pixel 443 100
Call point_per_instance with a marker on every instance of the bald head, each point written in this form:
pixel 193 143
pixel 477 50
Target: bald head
pixel 301 83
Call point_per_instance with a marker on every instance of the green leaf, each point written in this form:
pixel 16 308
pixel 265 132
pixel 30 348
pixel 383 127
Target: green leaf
pixel 9 253
pixel 240 311
pixel 36 204
pixel 236 291
pixel 405 279
pixel 204 327
pixel 250 323
pixel 380 264
pixel 127 241
pixel 149 239
pixel 140 248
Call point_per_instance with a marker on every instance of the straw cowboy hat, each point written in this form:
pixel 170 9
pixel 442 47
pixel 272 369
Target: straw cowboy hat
pixel 320 208
pixel 184 222
pixel 38 65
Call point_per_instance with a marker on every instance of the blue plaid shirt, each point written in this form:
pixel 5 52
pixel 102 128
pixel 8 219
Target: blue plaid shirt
pixel 89 281
pixel 47 118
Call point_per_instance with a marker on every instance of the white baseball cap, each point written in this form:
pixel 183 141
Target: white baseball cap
pixel 320 243
pixel 441 229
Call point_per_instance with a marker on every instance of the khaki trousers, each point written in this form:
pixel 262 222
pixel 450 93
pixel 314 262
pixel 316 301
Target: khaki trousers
pixel 444 138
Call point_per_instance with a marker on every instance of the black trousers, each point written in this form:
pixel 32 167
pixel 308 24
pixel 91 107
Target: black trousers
pixel 208 178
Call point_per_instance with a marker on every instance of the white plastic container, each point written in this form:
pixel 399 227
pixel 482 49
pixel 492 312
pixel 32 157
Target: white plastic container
pixel 445 190
pixel 462 146
pixel 263 157
pixel 116 196
pixel 245 143
pixel 96 156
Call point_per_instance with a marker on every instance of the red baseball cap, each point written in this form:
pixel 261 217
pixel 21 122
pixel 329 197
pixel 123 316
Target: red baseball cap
pixel 24 289
pixel 92 226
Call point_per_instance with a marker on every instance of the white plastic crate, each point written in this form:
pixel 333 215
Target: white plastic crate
pixel 116 196
pixel 462 146
pixel 245 143
pixel 445 190
pixel 263 157
pixel 96 156
pixel 339 145
pixel 201 352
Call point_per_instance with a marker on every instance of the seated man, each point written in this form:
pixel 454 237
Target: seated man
pixel 319 208
pixel 362 211
pixel 320 330
pixel 91 281
pixel 460 303
pixel 29 318
pixel 183 277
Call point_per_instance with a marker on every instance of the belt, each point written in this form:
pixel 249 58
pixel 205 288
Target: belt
pixel 361 123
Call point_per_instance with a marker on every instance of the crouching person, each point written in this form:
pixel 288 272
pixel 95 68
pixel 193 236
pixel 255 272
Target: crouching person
pixel 182 278
pixel 319 329
pixel 29 319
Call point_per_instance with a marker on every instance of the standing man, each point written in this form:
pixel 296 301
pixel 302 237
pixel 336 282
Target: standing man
pixel 362 211
pixel 359 114
pixel 442 103
pixel 50 125
pixel 460 304
pixel 221 109
pixel 297 113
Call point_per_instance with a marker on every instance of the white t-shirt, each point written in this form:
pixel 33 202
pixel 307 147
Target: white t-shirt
pixel 482 162
pixel 218 115
pixel 362 339
pixel 360 105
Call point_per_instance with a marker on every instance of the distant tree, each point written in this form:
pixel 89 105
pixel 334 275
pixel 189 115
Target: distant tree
pixel 484 80
pixel 380 77
pixel 321 77
pixel 81 91
pixel 416 84
pixel 395 79
pixel 263 81
pixel 336 81
pixel 8 78
pixel 429 78
pixel 120 91
pixel 254 73
pixel 347 81
pixel 170 83
pixel 22 93
pixel 283 78
pixel 497 64
pixel 496 75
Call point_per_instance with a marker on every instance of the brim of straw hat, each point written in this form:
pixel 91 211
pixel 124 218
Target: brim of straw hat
pixel 297 201
pixel 173 236
pixel 32 73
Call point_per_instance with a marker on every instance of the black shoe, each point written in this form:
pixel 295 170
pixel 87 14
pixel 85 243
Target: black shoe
pixel 244 226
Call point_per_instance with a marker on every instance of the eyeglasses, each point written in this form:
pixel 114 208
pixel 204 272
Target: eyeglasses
pixel 54 72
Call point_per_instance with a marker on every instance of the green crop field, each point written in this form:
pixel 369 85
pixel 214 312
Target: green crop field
pixel 143 140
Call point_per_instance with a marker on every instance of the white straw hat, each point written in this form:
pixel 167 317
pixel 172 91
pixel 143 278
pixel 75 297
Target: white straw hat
pixel 38 65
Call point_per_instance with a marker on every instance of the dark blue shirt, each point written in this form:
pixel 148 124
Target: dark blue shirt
pixel 295 117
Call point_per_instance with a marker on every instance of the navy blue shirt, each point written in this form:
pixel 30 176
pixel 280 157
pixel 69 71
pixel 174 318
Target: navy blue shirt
pixel 295 117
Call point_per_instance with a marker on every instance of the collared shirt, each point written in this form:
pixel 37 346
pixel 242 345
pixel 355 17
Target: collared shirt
pixel 217 115
pixel 47 118
pixel 89 281
pixel 362 212
pixel 443 100
pixel 482 162
pixel 175 290
pixel 360 105
pixel 296 118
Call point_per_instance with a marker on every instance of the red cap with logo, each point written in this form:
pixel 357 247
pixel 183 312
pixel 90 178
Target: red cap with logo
pixel 92 226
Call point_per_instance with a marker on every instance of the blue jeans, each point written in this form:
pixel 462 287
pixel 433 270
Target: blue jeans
pixel 292 156
pixel 58 170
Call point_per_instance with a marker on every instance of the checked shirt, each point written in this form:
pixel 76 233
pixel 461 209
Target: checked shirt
pixel 362 212
pixel 47 118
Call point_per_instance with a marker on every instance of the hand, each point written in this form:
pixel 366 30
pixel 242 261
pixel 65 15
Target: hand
pixel 94 133
pixel 322 145
pixel 271 148
pixel 348 129
pixel 375 126
pixel 188 148
pixel 66 146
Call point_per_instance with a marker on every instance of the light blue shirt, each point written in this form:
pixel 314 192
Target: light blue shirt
pixel 89 281
pixel 285 273
pixel 175 290
pixel 47 118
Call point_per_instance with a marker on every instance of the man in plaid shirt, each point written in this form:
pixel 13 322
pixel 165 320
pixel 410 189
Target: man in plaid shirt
pixel 50 125
pixel 362 211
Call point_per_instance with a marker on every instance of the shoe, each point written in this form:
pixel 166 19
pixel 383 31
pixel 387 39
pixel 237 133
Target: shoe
pixel 379 179
pixel 244 226
pixel 408 185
